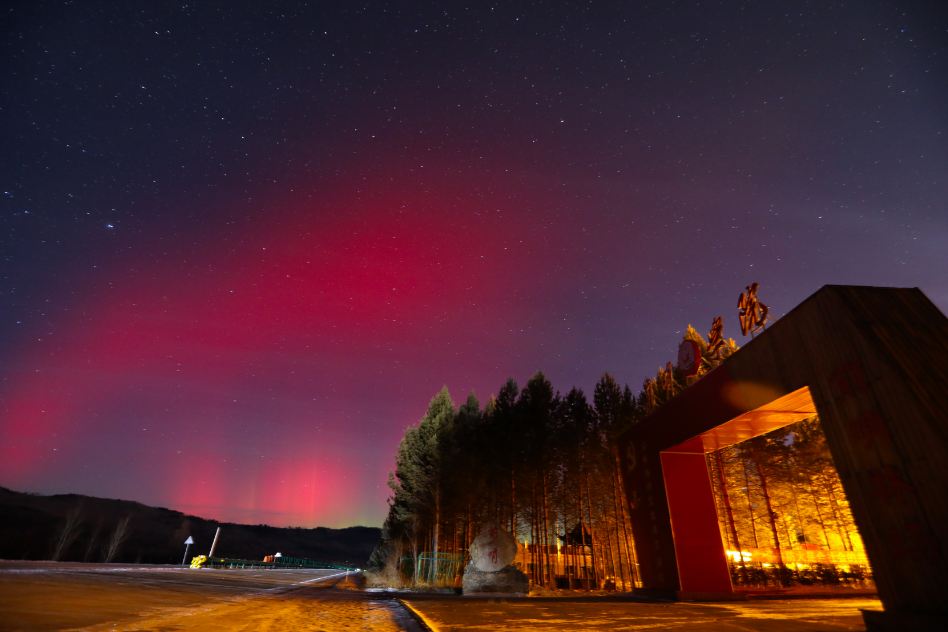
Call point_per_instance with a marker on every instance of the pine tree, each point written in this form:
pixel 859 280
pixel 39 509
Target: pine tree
pixel 536 406
pixel 418 483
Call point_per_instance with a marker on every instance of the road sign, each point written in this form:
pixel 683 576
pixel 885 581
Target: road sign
pixel 187 544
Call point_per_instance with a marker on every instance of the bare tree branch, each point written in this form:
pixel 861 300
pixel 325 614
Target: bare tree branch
pixel 93 540
pixel 120 535
pixel 68 533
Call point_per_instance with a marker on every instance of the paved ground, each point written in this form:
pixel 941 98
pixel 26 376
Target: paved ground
pixel 531 614
pixel 38 596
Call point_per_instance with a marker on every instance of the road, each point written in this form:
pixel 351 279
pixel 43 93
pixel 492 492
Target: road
pixel 37 596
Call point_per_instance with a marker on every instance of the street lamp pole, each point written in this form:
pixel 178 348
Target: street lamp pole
pixel 214 544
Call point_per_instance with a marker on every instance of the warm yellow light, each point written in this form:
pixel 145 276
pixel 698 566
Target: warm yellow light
pixel 737 557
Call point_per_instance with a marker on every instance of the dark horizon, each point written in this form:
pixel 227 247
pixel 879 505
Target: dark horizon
pixel 34 525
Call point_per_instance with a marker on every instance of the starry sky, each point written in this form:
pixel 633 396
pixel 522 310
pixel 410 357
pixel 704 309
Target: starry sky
pixel 244 243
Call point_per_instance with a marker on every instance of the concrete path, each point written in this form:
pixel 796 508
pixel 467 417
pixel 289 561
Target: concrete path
pixel 549 614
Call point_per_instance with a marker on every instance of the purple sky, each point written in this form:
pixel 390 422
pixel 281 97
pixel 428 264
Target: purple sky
pixel 243 246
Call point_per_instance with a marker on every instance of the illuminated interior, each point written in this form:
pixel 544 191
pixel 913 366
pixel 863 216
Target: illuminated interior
pixel 695 540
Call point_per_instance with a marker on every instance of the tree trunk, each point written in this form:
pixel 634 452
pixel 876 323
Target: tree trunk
pixel 546 531
pixel 627 536
pixel 582 536
pixel 786 529
pixel 629 544
pixel 604 526
pixel 750 502
pixel 572 549
pixel 513 505
pixel 414 551
pixel 468 529
pixel 535 536
pixel 730 516
pixel 606 550
pixel 819 516
pixel 68 533
pixel 719 504
pixel 433 566
pixel 770 511
pixel 615 511
pixel 90 548
pixel 837 514
pixel 592 533
pixel 541 570
pixel 612 557
pixel 119 536
pixel 800 520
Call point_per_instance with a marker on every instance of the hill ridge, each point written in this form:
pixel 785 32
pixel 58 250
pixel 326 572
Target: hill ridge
pixel 30 523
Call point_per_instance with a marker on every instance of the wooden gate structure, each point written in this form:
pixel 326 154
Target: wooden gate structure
pixel 873 363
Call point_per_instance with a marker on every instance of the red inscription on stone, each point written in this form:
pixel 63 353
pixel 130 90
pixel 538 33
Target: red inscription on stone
pixel 887 484
pixel 870 427
pixel 492 533
pixel 914 540
pixel 492 555
pixel 847 380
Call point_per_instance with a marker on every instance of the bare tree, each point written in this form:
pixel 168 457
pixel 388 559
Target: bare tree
pixel 121 533
pixel 93 540
pixel 68 533
pixel 414 533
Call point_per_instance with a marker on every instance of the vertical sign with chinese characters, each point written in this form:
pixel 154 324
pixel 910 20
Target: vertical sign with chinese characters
pixel 753 314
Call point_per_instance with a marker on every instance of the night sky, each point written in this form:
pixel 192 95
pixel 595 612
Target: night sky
pixel 244 243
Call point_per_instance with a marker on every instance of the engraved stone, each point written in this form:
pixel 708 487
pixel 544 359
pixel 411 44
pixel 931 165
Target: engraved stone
pixel 493 549
pixel 491 570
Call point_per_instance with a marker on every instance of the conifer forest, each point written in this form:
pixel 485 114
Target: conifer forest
pixel 543 464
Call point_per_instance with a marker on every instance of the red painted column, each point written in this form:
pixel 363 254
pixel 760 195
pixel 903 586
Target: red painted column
pixel 702 562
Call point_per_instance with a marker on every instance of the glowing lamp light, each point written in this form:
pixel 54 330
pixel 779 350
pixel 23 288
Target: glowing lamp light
pixel 744 556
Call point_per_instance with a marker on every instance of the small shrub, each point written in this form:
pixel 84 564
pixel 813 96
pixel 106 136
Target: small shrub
pixel 389 576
